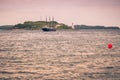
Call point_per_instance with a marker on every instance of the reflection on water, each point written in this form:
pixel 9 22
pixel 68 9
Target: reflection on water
pixel 66 55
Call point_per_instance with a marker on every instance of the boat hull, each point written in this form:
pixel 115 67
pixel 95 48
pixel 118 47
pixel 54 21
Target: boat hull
pixel 48 29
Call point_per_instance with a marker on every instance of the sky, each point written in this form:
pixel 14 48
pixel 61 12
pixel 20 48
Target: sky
pixel 87 12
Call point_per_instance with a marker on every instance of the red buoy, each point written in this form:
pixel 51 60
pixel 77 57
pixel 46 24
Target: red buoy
pixel 110 46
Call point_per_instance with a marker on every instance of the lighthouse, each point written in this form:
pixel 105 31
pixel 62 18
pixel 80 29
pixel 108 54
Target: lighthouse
pixel 73 26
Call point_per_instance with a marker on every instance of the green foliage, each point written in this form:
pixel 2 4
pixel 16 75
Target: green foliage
pixel 23 26
pixel 31 25
pixel 63 26
pixel 36 25
pixel 40 24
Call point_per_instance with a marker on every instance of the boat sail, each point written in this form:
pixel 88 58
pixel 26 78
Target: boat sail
pixel 49 25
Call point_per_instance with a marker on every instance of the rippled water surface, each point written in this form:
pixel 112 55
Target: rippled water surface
pixel 60 55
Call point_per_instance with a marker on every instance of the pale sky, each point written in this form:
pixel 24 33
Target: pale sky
pixel 88 12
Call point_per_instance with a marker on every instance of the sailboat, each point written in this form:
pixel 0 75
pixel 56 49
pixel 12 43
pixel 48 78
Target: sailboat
pixel 49 26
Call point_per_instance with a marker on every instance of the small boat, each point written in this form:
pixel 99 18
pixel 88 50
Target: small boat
pixel 48 29
pixel 49 25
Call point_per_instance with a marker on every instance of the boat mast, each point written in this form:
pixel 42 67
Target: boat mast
pixel 46 22
pixel 52 21
pixel 49 22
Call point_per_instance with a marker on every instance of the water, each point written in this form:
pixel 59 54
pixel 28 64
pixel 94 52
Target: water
pixel 60 55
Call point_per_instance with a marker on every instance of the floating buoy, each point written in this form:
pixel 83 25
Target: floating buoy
pixel 110 46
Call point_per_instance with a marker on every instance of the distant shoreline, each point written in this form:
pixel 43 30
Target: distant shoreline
pixel 59 26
